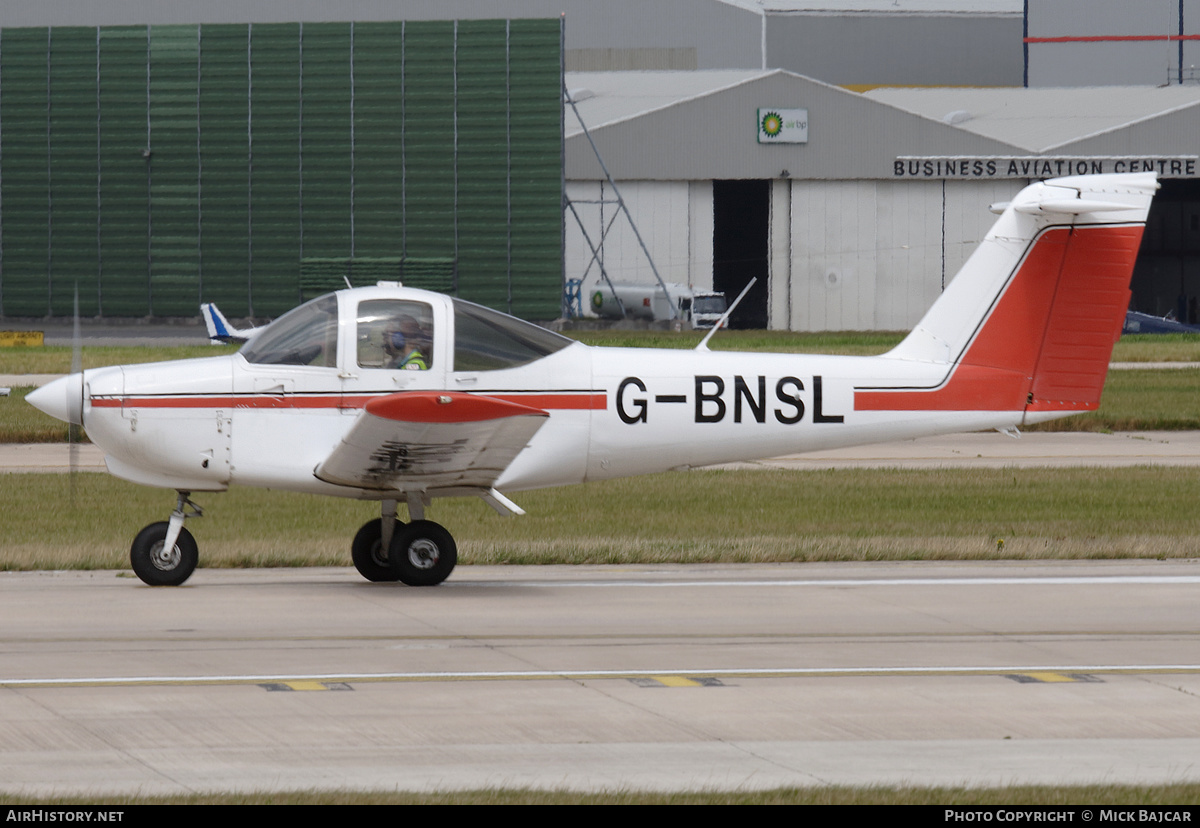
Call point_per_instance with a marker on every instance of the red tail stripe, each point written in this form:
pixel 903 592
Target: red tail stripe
pixel 1049 335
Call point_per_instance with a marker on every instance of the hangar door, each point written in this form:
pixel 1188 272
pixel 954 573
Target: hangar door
pixel 741 233
pixel 1166 278
pixel 255 165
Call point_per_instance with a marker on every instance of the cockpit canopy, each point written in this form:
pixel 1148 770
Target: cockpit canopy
pixel 400 333
pixel 306 335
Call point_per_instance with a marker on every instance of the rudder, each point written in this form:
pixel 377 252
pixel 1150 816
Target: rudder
pixel 1030 321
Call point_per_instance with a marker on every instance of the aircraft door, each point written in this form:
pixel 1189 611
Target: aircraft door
pixel 286 396
pixel 397 345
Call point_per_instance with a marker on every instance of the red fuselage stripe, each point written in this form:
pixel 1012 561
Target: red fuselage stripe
pixel 592 401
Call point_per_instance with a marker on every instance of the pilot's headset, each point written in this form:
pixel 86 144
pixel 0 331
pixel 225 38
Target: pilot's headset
pixel 393 341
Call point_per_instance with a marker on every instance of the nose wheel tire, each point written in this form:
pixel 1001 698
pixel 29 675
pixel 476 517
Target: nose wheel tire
pixel 368 554
pixel 422 553
pixel 158 566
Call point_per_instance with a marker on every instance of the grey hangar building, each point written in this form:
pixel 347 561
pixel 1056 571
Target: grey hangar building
pixel 253 154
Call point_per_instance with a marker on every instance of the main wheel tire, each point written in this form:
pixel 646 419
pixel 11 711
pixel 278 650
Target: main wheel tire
pixel 157 566
pixel 368 554
pixel 422 553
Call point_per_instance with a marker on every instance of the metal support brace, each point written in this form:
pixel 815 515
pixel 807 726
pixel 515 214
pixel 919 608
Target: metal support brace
pixel 175 524
pixel 622 208
pixel 502 505
pixel 417 503
pixel 387 515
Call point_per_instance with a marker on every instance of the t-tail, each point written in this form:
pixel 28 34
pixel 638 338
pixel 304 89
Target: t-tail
pixel 1029 323
pixel 219 329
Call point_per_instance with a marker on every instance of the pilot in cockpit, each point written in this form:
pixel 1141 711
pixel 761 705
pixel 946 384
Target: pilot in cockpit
pixel 406 344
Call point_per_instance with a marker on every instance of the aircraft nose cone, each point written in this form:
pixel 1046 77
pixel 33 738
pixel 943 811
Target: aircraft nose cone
pixel 61 399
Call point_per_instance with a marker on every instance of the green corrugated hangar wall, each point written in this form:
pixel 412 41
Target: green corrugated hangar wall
pixel 157 167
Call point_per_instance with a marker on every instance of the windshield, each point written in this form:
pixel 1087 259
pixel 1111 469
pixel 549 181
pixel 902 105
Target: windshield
pixel 709 304
pixel 304 336
pixel 486 340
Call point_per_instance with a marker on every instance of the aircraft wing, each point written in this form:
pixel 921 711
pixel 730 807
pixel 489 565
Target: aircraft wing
pixel 421 440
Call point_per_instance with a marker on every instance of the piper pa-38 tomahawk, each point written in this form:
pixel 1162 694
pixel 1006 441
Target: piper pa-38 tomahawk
pixel 398 395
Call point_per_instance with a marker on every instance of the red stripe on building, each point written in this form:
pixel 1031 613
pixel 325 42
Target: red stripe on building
pixel 1113 39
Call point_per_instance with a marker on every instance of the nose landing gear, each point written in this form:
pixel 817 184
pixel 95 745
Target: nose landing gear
pixel 164 553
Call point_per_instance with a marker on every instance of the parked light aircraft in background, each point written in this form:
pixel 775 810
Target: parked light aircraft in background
pixel 219 329
pixel 398 395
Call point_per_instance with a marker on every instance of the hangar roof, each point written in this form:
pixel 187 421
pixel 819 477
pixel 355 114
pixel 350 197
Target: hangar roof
pixel 1014 7
pixel 701 125
pixel 1044 120
pixel 606 98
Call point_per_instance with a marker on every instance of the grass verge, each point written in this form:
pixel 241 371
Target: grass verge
pixel 1140 400
pixel 739 516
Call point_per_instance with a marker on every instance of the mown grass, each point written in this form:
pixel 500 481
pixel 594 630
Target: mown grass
pixel 22 423
pixel 1157 348
pixel 56 359
pixel 1029 795
pixel 736 516
pixel 1140 400
pixel 854 343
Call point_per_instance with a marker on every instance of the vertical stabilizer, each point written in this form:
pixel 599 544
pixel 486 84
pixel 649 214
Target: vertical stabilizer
pixel 1030 321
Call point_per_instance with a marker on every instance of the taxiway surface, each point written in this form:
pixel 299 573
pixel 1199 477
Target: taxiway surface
pixel 663 678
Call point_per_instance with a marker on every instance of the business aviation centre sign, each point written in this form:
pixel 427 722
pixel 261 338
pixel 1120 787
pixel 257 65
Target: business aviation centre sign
pixel 1032 166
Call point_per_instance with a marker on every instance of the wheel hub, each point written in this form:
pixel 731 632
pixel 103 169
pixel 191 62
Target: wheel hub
pixel 423 553
pixel 163 558
pixel 379 554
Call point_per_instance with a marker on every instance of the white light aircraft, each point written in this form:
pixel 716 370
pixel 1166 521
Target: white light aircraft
pixel 399 395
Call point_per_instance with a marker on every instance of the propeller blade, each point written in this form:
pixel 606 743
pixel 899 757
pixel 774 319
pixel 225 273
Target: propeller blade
pixel 73 430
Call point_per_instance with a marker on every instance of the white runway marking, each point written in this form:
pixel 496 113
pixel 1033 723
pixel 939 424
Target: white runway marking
pixel 579 675
pixel 848 582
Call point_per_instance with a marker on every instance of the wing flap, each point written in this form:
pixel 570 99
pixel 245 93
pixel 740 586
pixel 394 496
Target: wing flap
pixel 419 440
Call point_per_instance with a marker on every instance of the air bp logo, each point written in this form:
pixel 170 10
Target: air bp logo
pixel 782 126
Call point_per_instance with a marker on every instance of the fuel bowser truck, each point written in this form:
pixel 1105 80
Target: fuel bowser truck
pixel 693 307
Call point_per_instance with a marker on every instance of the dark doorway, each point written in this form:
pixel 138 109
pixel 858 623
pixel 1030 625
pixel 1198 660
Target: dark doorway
pixel 1166 278
pixel 741 215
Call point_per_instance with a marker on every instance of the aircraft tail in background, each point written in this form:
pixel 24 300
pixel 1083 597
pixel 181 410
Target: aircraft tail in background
pixel 219 329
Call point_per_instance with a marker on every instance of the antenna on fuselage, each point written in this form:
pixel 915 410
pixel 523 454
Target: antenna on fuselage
pixel 720 323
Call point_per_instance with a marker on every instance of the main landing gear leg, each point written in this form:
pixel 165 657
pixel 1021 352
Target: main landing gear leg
pixel 165 553
pixel 422 553
pixel 369 551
